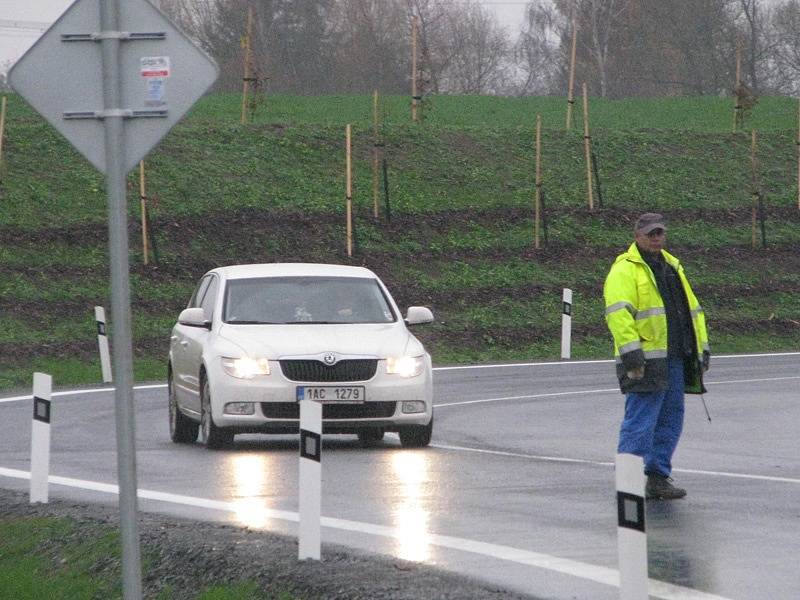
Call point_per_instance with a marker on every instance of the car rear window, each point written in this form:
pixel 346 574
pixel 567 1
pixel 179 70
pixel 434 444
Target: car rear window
pixel 303 300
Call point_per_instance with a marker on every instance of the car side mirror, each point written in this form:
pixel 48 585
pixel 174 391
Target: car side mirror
pixel 194 317
pixel 418 314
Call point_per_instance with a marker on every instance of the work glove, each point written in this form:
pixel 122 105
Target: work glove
pixel 637 373
pixel 706 360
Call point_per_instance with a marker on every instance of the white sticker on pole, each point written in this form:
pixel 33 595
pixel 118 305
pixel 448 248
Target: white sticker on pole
pixel 102 343
pixel 310 492
pixel 155 70
pixel 566 323
pixel 631 536
pixel 40 437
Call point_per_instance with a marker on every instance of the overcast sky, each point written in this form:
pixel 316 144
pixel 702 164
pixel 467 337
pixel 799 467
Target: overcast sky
pixel 14 39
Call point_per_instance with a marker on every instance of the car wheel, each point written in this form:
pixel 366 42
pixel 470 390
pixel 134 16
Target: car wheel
pixel 182 430
pixel 371 436
pixel 416 436
pixel 211 436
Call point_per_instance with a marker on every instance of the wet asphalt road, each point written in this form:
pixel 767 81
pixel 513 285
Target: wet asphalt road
pixel 517 487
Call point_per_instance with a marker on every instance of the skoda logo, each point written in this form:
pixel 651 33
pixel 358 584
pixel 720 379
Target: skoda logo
pixel 329 359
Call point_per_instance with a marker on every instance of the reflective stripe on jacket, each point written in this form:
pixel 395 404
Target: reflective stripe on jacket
pixel 636 316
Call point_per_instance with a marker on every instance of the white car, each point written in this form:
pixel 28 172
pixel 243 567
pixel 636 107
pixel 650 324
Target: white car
pixel 256 339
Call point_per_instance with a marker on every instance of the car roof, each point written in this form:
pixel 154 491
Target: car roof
pixel 292 270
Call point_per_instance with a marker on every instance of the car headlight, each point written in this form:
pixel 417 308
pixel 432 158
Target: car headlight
pixel 245 367
pixel 405 366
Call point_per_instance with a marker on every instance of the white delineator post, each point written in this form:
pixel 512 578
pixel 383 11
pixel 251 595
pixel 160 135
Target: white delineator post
pixel 40 437
pixel 102 343
pixel 566 323
pixel 310 479
pixel 631 536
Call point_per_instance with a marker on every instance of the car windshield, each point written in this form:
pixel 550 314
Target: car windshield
pixel 304 300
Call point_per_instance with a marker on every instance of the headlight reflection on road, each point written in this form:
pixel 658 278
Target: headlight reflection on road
pixel 249 475
pixel 410 516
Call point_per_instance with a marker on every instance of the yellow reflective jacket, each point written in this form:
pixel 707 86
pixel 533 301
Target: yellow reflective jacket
pixel 637 319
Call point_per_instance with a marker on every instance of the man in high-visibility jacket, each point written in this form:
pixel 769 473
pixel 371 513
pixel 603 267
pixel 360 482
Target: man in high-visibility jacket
pixel 661 349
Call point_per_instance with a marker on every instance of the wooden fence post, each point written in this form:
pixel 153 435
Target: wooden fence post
pixel 349 191
pixel 375 155
pixel 2 126
pixel 247 46
pixel 414 91
pixel 538 183
pixel 754 164
pixel 737 109
pixel 587 147
pixel 143 204
pixel 570 92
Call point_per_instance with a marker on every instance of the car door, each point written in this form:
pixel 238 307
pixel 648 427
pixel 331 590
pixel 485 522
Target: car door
pixel 197 338
pixel 184 366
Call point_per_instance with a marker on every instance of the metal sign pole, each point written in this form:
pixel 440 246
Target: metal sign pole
pixel 126 67
pixel 120 301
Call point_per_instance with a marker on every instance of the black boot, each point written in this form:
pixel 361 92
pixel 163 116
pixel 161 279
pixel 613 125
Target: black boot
pixel 661 488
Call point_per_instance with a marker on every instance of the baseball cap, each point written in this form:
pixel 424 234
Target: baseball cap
pixel 648 222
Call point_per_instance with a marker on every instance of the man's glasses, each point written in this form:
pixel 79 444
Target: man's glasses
pixel 656 233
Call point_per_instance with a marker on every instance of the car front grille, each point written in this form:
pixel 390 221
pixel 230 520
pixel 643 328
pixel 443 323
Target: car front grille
pixel 367 410
pixel 359 369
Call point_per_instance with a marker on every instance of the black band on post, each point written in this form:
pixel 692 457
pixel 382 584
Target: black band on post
pixel 630 511
pixel 310 445
pixel 101 328
pixel 41 410
pixel 567 308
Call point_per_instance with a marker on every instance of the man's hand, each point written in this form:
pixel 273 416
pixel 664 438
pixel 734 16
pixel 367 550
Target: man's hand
pixel 637 373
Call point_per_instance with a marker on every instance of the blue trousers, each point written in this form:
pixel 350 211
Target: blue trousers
pixel 653 423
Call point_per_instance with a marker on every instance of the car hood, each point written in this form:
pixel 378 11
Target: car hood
pixel 284 341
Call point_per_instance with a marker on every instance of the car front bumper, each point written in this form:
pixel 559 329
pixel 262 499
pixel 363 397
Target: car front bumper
pixel 276 408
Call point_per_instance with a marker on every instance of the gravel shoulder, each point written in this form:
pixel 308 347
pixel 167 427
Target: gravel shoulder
pixel 186 556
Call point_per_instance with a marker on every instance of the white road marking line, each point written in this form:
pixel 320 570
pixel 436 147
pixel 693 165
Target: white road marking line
pixel 454 368
pixel 583 461
pixel 598 574
pixel 529 397
pixel 586 461
pixel 599 391
pixel 595 362
pixel 86 391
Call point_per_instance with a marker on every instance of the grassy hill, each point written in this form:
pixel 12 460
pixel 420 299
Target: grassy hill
pixel 460 237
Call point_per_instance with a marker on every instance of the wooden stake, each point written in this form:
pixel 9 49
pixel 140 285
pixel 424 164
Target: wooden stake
pixel 737 109
pixel 570 94
pixel 587 147
pixel 2 125
pixel 349 192
pixel 414 94
pixel 143 202
pixel 247 46
pixel 538 182
pixel 375 153
pixel 754 163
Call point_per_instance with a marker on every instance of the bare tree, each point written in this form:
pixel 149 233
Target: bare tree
pixel 372 51
pixel 751 10
pixel 600 22
pixel 537 56
pixel 783 57
pixel 477 48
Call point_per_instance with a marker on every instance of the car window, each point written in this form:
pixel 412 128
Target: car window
pixel 306 300
pixel 209 297
pixel 194 302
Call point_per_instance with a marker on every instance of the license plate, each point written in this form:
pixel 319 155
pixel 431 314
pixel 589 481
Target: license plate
pixel 342 394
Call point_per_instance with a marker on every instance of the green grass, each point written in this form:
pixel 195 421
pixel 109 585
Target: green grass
pixel 39 558
pixel 461 237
